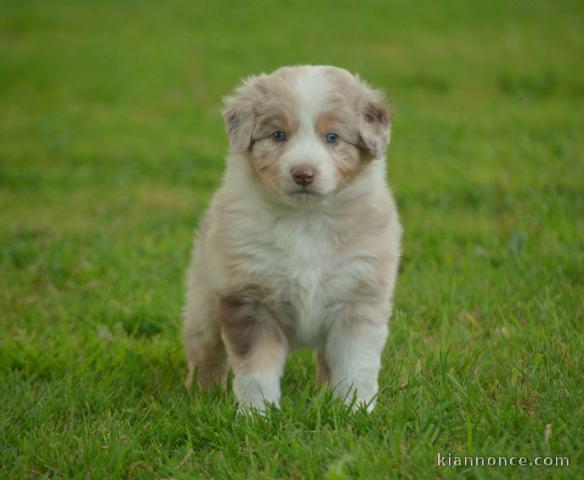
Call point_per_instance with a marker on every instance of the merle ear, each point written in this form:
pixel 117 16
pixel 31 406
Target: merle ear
pixel 239 116
pixel 374 124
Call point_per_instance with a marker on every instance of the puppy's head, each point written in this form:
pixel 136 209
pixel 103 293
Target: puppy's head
pixel 308 131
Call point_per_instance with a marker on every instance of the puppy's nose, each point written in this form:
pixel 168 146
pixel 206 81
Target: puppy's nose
pixel 303 175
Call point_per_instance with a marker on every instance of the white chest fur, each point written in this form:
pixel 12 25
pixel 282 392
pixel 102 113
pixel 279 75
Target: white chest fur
pixel 299 258
pixel 305 256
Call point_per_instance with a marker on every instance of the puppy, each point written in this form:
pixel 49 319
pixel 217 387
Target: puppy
pixel 300 245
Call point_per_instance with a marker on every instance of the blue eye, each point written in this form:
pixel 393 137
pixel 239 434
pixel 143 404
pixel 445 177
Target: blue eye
pixel 279 136
pixel 331 137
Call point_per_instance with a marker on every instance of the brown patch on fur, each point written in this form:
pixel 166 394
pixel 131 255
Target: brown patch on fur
pixel 323 372
pixel 374 126
pixel 259 100
pixel 249 328
pixel 349 160
pixel 346 165
pixel 368 290
pixel 270 121
pixel 264 160
pixel 377 112
pixel 238 116
pixel 207 360
pixel 327 122
pixel 240 322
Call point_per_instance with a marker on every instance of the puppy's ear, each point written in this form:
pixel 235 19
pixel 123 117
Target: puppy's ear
pixel 239 116
pixel 374 122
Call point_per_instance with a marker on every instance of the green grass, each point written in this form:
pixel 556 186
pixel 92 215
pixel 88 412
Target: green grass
pixel 111 145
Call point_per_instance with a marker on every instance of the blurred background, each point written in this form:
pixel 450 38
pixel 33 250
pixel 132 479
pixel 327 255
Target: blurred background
pixel 111 144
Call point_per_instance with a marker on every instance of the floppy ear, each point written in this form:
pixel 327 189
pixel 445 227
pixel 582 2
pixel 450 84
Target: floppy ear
pixel 374 123
pixel 239 116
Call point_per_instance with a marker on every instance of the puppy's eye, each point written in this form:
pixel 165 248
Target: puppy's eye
pixel 279 136
pixel 331 137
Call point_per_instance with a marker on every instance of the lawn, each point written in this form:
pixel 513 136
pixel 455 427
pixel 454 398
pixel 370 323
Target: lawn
pixel 111 145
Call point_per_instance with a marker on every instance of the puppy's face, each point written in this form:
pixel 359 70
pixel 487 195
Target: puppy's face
pixel 306 132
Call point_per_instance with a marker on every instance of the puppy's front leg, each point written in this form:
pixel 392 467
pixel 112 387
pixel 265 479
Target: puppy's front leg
pixel 256 349
pixel 353 353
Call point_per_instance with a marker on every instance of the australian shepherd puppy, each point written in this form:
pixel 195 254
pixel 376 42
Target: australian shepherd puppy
pixel 300 245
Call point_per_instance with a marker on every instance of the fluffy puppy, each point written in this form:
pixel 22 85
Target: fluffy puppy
pixel 300 245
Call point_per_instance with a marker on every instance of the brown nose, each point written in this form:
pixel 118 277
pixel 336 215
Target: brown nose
pixel 303 175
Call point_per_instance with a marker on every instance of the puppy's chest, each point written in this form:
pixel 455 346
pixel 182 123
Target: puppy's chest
pixel 307 272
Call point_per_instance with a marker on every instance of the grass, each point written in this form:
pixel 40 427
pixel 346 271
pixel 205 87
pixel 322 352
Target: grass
pixel 110 148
